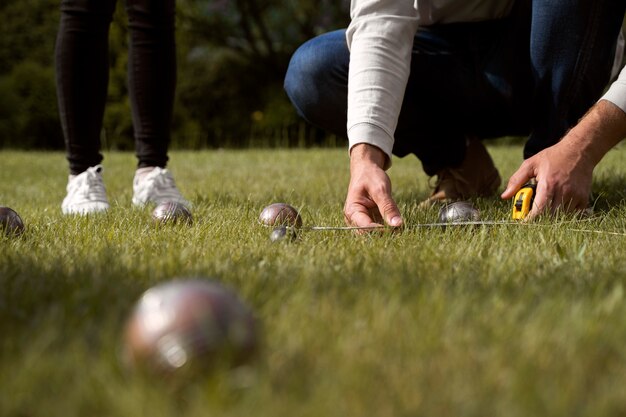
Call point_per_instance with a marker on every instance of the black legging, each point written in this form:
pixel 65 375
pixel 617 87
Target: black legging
pixel 82 67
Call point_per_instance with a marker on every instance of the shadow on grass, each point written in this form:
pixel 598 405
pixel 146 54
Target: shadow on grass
pixel 79 300
pixel 609 193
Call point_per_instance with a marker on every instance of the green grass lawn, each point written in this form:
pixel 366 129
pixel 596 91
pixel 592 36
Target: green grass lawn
pixel 489 321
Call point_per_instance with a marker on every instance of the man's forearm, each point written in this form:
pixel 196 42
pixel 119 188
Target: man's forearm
pixel 603 127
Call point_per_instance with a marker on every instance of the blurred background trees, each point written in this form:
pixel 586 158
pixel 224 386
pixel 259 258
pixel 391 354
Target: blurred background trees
pixel 232 57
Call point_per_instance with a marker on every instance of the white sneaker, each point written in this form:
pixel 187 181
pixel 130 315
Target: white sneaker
pixel 86 193
pixel 156 186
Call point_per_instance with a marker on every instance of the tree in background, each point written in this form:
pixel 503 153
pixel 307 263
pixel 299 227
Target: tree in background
pixel 28 108
pixel 232 57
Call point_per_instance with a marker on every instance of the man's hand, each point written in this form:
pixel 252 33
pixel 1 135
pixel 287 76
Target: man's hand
pixel 563 179
pixel 564 171
pixel 369 200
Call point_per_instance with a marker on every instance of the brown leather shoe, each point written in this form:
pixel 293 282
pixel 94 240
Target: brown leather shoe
pixel 477 176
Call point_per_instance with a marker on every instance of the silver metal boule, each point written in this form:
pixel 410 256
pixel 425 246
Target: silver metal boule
pixel 459 211
pixel 172 212
pixel 189 324
pixel 280 214
pixel 11 223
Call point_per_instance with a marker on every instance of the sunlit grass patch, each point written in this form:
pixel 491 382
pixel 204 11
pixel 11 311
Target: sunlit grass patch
pixel 515 320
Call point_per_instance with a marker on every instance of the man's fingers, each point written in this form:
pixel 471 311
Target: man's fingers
pixel 569 202
pixel 543 199
pixel 369 200
pixel 362 216
pixel 390 212
pixel 359 218
pixel 559 203
pixel 517 180
pixel 387 206
pixel 555 197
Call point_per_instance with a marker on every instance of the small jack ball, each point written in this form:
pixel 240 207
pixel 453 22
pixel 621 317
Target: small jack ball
pixel 189 325
pixel 172 212
pixel 10 222
pixel 459 211
pixel 283 233
pixel 280 214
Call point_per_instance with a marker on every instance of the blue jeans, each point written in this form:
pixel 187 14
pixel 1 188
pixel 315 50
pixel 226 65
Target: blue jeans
pixel 82 72
pixel 534 73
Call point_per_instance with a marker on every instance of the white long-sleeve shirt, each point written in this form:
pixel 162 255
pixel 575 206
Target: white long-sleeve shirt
pixel 616 93
pixel 380 38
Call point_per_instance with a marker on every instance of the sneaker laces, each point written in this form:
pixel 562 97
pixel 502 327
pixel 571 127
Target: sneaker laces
pixel 89 185
pixel 85 193
pixel 157 186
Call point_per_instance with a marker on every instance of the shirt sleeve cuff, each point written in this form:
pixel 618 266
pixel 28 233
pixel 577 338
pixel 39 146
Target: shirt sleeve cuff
pixel 372 135
pixel 617 93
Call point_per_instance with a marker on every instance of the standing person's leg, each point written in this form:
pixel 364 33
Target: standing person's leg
pixel 152 77
pixel 82 77
pixel 572 48
pixel 82 69
pixel 152 82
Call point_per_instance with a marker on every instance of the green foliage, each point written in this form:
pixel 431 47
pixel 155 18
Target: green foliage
pixel 27 32
pixel 28 106
pixel 29 102
pixel 232 57
pixel 521 320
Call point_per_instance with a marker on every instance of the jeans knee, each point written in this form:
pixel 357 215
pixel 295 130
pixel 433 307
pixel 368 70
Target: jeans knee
pixel 297 78
pixel 317 76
